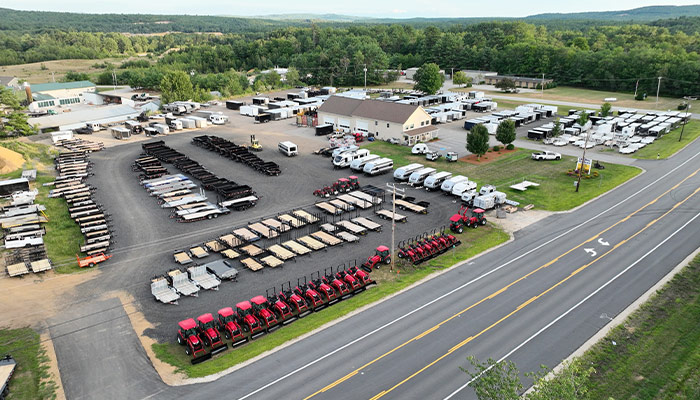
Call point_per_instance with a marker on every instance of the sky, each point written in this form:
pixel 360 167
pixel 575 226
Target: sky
pixel 368 8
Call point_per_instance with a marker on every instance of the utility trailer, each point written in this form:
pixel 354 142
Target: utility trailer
pixel 202 215
pixel 405 205
pixel 352 228
pixel 203 279
pixel 312 219
pixel 239 204
pixel 312 243
pixel 386 214
pixel 280 252
pixel 277 225
pixel 246 235
pixel 366 197
pixel 252 250
pixel 271 261
pixel 296 247
pixel 357 202
pixel 7 369
pixel 223 269
pixel 182 284
pixel 326 238
pixel 330 209
pixel 163 292
pixel 293 222
pixel 264 231
pixel 367 223
pixel 251 264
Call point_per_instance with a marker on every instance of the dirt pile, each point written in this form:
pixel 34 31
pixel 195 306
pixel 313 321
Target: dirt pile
pixel 10 160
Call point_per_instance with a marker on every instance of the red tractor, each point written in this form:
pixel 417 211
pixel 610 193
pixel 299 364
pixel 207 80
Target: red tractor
pixel 406 251
pixel 354 182
pixel 361 276
pixel 353 283
pixel 341 288
pixel 459 220
pixel 326 291
pixel 327 191
pixel 313 298
pixel 297 303
pixel 477 218
pixel 247 319
pixel 381 256
pixel 342 185
pixel 206 327
pixel 261 309
pixel 282 310
pixel 187 336
pixel 227 323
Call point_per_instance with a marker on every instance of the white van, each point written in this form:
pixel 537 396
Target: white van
pixel 359 164
pixel 378 167
pixel 341 150
pixel 419 148
pixel 403 173
pixel 289 149
pixel 417 178
pixel 449 183
pixel 162 128
pixel 462 187
pixel 218 119
pixel 435 181
pixel 343 160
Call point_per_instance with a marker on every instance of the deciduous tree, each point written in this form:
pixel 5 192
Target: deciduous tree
pixel 428 78
pixel 478 140
pixel 505 133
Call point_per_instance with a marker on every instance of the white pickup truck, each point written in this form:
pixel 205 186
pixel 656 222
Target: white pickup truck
pixel 546 155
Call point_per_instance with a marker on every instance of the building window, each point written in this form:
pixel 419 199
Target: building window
pixel 422 123
pixel 387 125
pixel 411 126
pixel 376 123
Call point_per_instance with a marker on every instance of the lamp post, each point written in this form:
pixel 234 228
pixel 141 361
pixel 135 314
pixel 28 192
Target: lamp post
pixel 393 220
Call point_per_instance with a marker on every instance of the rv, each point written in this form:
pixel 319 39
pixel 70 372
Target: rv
pixel 175 125
pixel 462 187
pixel 448 184
pixel 134 126
pixel 359 163
pixel 218 119
pixel 420 148
pixel 119 132
pixel 403 173
pixel 289 149
pixel 161 128
pixel 344 159
pixel 341 150
pixel 378 167
pixel 93 126
pixel 417 178
pixel 176 109
pixel 435 181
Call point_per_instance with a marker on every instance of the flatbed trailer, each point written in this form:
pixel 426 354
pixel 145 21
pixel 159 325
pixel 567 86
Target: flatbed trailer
pixel 7 369
pixel 280 252
pixel 215 246
pixel 263 230
pixel 292 221
pixel 182 283
pixel 366 197
pixel 199 252
pixel 17 269
pixel 355 201
pixel 272 261
pixel 252 250
pixel 240 203
pixel 208 214
pixel 386 214
pixel 312 243
pixel 94 246
pixel 330 228
pixel 330 209
pixel 202 278
pixel 341 205
pixel 326 238
pixel 405 205
pixel 296 247
pixel 230 254
pixel 231 241
pixel 353 228
pixel 163 292
pixel 246 235
pixel 347 236
pixel 252 264
pixel 310 218
pixel 277 225
pixel 40 265
pixel 184 200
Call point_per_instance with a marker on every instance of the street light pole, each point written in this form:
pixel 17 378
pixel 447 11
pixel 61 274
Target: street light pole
pixel 657 92
pixel 393 222
pixel 365 69
pixel 683 127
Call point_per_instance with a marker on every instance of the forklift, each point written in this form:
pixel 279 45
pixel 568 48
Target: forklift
pixel 254 144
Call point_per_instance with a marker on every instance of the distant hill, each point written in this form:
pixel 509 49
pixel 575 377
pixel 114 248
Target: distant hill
pixel 650 13
pixel 314 17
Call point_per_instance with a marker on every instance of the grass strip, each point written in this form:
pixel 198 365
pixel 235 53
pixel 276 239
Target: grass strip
pixel 31 379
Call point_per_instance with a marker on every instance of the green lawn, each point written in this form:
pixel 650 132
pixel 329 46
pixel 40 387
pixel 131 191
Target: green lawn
pixel 31 380
pixel 657 351
pixel 556 191
pixel 474 242
pixel 63 237
pixel 668 144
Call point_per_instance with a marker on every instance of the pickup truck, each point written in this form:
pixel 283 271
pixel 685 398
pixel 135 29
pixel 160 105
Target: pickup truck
pixel 546 155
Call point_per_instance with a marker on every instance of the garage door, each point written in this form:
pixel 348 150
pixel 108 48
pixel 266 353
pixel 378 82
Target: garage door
pixel 329 120
pixel 344 125
pixel 362 126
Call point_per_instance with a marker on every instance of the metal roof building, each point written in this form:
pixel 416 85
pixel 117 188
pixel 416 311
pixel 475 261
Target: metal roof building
pixel 77 119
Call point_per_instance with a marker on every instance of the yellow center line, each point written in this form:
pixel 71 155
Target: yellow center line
pixel 496 293
pixel 523 305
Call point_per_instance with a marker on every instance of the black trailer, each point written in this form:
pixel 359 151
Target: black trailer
pixel 234 104
pixel 263 117
pixel 324 129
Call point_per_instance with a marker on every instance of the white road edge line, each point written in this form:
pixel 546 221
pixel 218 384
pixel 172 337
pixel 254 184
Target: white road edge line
pixel 567 312
pixel 341 348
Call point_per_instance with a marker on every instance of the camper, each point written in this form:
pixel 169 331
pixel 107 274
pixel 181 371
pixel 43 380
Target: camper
pixel 379 166
pixel 419 148
pixel 176 109
pixel 187 123
pixel 175 125
pixel 93 126
pixel 199 122
pixel 344 159
pixel 119 132
pixel 403 173
pixel 134 126
pixel 359 163
pixel 462 187
pixel 435 181
pixel 218 119
pixel 341 150
pixel 289 149
pixel 162 128
pixel 418 177
pixel 448 184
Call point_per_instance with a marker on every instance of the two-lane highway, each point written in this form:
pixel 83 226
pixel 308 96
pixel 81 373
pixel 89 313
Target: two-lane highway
pixel 534 301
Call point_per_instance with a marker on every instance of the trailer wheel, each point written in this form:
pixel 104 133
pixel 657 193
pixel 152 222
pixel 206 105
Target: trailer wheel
pixel 91 265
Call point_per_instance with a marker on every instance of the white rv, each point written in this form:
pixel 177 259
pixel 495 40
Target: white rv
pixel 417 178
pixel 344 159
pixel 449 183
pixel 435 181
pixel 359 164
pixel 462 187
pixel 402 173
pixel 378 166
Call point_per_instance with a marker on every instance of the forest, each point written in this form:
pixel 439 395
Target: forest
pixel 606 57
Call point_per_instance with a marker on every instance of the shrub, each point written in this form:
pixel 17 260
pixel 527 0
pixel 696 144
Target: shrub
pixel 510 146
pixel 496 148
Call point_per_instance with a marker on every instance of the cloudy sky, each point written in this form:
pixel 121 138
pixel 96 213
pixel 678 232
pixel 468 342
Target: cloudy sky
pixel 372 8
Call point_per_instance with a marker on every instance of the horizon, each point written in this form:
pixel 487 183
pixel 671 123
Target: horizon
pixel 409 9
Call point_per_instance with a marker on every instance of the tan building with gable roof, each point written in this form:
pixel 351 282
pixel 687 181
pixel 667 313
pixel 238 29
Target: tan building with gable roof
pixel 385 120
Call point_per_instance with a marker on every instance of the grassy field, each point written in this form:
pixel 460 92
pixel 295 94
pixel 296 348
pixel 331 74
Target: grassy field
pixel 31 380
pixel 556 191
pixel 393 85
pixel 473 243
pixel 63 237
pixel 579 95
pixel 668 144
pixel 47 71
pixel 657 350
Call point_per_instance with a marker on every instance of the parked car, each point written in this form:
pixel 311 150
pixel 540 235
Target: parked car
pixel 546 155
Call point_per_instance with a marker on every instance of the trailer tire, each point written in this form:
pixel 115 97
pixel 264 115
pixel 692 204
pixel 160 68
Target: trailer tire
pixel 91 265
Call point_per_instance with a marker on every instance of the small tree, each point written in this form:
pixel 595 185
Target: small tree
pixel 478 141
pixel 582 119
pixel 428 78
pixel 506 85
pixel 556 131
pixel 273 79
pixel 568 384
pixel 605 109
pixel 176 85
pixel 505 133
pixel 292 76
pixel 494 381
pixel 460 78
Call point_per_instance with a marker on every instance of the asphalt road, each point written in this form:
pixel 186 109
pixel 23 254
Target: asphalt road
pixel 147 238
pixel 534 300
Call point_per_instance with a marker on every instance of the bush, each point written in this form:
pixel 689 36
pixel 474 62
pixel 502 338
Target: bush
pixel 496 148
pixel 640 96
pixel 682 106
pixel 510 146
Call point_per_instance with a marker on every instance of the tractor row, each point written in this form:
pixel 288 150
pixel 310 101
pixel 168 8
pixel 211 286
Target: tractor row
pixel 426 246
pixel 249 319
pixel 464 218
pixel 342 185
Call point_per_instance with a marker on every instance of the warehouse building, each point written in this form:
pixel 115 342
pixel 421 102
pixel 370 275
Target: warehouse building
pixel 521 82
pixel 47 96
pixel 104 115
pixel 407 123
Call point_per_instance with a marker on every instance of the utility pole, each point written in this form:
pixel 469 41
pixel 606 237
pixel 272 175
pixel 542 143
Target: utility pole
pixel 114 79
pixel 657 92
pixel 583 162
pixel 635 89
pixel 542 84
pixel 687 109
pixel 365 69
pixel 393 221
